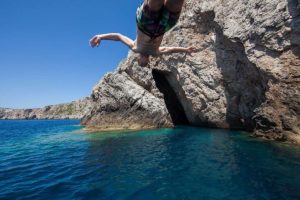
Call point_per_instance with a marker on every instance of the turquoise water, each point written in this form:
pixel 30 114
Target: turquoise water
pixel 58 160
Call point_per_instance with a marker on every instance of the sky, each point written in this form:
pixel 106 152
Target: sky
pixel 45 57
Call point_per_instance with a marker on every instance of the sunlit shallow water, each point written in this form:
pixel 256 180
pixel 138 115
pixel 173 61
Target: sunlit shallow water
pixel 58 160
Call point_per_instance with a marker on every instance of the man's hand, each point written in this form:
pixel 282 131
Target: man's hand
pixel 191 50
pixel 95 41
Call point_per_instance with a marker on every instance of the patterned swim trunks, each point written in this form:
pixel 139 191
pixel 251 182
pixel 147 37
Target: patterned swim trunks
pixel 155 24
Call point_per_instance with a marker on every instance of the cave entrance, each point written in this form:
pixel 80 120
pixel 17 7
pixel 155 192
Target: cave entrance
pixel 172 101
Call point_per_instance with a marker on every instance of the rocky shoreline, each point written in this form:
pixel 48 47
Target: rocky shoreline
pixel 74 110
pixel 244 76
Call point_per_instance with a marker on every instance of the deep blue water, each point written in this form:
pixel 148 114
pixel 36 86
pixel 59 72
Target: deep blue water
pixel 58 160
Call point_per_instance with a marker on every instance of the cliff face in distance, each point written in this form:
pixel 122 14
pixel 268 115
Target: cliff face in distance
pixel 245 74
pixel 74 110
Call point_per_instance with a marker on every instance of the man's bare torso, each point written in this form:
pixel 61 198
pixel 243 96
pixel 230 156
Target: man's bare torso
pixel 145 45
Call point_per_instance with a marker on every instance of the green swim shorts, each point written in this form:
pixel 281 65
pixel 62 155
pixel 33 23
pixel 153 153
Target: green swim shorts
pixel 155 24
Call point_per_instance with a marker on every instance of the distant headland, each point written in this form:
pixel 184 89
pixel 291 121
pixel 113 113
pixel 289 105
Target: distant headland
pixel 73 110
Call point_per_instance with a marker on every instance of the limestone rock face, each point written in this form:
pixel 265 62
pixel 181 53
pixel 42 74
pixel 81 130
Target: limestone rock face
pixel 74 110
pixel 125 105
pixel 245 74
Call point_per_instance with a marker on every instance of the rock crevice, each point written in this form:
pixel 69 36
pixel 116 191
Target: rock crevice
pixel 171 97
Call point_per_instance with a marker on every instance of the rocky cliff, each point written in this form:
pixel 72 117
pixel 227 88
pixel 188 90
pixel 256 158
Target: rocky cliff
pixel 74 110
pixel 245 74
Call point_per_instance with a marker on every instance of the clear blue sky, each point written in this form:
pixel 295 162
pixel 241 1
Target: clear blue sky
pixel 44 53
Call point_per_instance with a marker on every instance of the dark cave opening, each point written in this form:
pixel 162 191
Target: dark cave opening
pixel 172 101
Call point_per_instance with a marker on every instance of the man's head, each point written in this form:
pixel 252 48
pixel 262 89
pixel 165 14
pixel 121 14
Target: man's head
pixel 143 60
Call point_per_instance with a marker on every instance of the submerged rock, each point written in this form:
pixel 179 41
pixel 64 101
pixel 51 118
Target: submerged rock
pixel 245 74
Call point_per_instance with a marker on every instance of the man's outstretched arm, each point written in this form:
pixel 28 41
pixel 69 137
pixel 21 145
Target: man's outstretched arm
pixel 96 40
pixel 168 50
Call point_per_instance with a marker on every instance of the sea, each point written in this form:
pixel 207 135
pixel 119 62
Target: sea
pixel 57 159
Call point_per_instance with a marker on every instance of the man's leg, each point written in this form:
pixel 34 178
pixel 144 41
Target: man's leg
pixel 174 6
pixel 154 5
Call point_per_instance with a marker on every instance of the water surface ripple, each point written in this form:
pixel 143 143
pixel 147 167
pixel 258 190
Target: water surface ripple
pixel 58 160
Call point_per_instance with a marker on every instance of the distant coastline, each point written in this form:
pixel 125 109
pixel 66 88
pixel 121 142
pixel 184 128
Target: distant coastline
pixel 73 110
